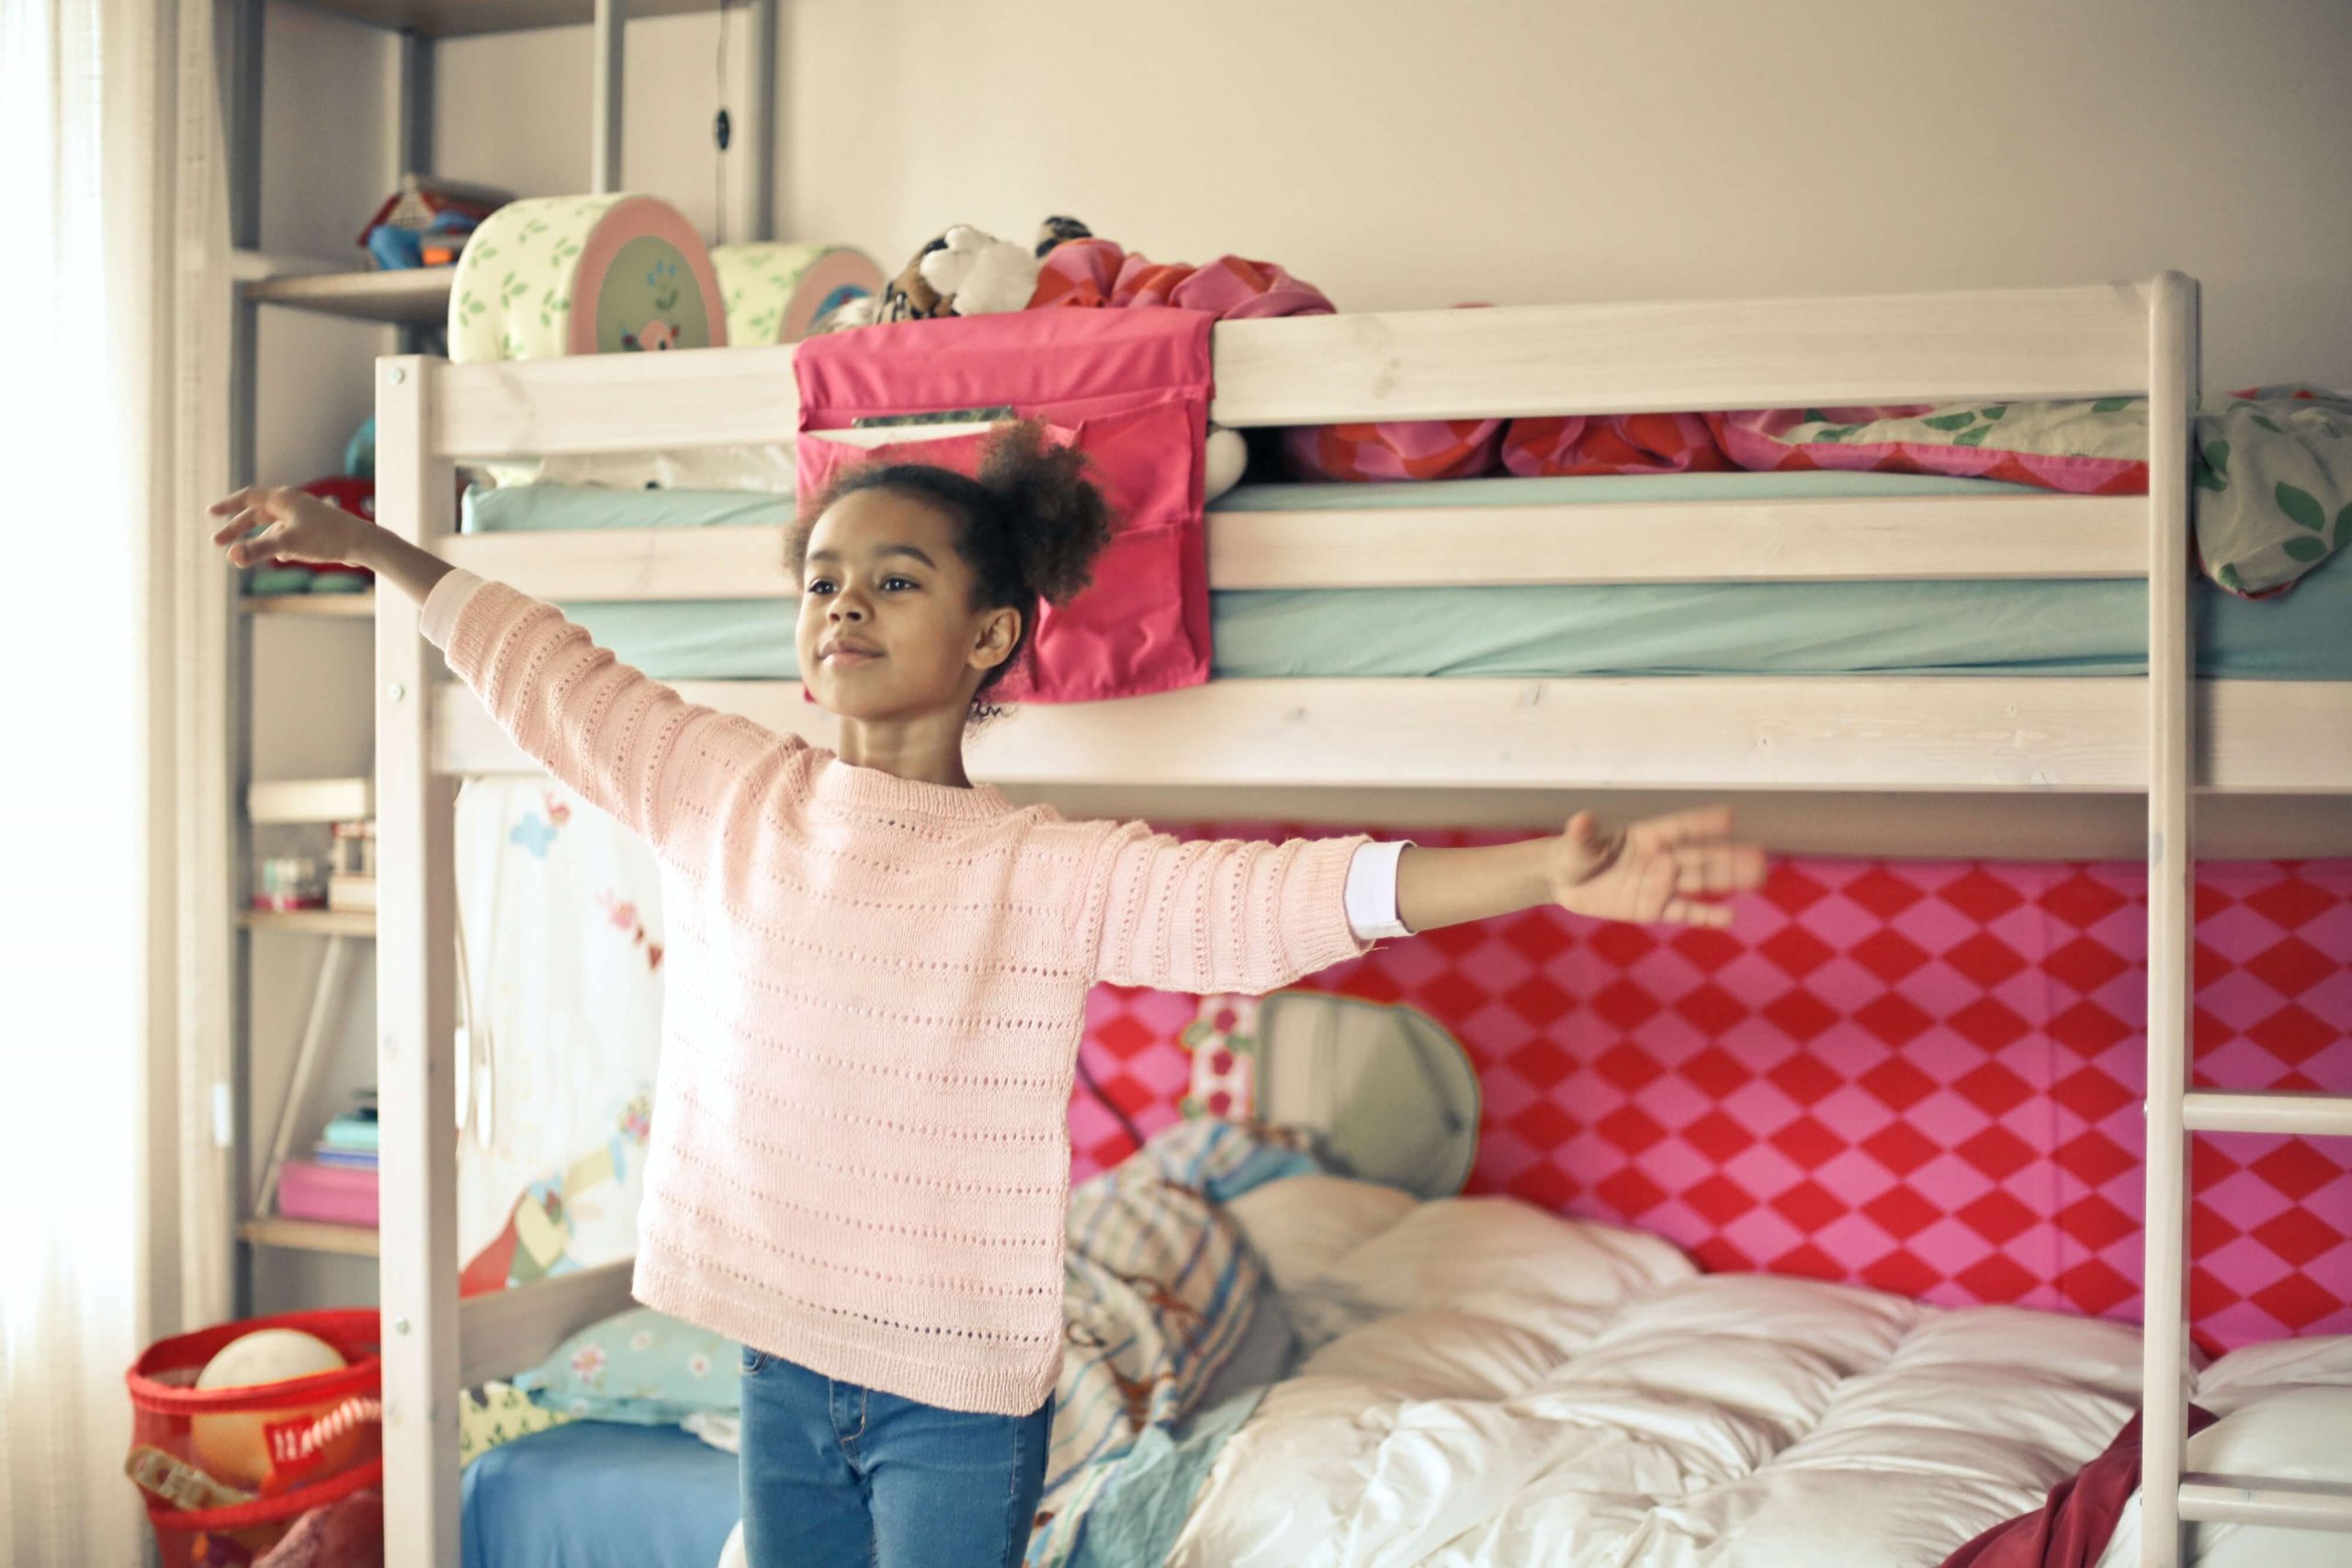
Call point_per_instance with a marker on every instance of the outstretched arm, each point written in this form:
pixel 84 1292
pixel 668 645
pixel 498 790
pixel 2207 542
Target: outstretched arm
pixel 607 731
pixel 1664 868
pixel 1237 915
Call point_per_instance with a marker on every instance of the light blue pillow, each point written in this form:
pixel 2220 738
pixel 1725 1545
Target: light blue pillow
pixel 641 1367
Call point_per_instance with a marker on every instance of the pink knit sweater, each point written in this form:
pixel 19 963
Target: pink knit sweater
pixel 860 1156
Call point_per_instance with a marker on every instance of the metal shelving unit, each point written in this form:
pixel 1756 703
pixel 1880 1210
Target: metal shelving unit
pixel 413 302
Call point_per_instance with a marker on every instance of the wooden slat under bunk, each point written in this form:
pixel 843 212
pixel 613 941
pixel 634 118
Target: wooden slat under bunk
pixel 1991 538
pixel 1717 733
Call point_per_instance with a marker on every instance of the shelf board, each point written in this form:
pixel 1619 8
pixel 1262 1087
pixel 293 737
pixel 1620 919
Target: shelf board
pixel 416 296
pixel 314 923
pixel 311 800
pixel 330 606
pixel 457 18
pixel 311 1235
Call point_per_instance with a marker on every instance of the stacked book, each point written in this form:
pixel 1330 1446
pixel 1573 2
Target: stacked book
pixel 349 1141
pixel 337 1184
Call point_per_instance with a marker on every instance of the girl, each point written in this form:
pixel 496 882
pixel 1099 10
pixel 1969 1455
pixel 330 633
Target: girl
pixel 878 972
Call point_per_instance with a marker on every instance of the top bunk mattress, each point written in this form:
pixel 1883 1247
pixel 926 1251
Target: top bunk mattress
pixel 2036 627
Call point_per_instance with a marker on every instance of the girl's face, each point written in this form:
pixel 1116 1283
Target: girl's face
pixel 887 629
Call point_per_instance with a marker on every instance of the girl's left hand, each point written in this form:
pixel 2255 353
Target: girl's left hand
pixel 1656 869
pixel 295 525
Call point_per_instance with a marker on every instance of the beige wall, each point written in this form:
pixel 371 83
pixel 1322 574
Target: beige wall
pixel 1403 152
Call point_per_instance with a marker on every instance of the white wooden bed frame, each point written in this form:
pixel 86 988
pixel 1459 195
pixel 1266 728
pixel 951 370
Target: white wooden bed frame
pixel 2165 735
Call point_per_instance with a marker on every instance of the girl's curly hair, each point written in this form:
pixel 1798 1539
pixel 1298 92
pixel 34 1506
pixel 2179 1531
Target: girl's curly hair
pixel 1030 525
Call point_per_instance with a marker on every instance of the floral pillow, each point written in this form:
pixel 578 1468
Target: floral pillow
pixel 639 1367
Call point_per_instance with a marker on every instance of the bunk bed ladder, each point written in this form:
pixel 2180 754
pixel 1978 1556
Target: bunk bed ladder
pixel 2168 1497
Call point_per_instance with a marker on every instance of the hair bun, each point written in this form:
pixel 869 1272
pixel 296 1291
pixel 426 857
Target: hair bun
pixel 1058 520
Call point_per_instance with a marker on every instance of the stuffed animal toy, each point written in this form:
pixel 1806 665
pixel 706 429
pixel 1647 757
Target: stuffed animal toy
pixel 965 272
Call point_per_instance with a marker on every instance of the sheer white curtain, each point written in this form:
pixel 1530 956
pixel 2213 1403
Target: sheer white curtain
pixel 95 135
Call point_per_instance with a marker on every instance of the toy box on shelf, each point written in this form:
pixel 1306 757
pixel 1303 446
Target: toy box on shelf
pixel 427 221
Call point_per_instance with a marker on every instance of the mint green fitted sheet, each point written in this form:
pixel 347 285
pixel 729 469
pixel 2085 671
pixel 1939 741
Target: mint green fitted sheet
pixel 1788 629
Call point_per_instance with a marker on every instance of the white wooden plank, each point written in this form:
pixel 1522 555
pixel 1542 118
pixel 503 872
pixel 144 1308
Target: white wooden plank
pixel 1874 733
pixel 744 561
pixel 2275 1111
pixel 1557 359
pixel 2258 1500
pixel 417 1012
pixel 1811 733
pixel 310 800
pixel 2275 737
pixel 2000 537
pixel 2172 891
pixel 1711 541
pixel 1470 734
pixel 507 1331
pixel 616 402
pixel 1564 359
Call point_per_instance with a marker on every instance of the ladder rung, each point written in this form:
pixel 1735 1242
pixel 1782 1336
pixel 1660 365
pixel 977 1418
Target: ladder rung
pixel 2210 1110
pixel 2252 1500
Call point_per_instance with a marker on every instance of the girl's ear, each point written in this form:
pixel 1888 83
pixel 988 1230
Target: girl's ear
pixel 1000 630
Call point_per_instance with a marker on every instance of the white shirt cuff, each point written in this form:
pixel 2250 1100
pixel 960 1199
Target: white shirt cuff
pixel 439 615
pixel 1371 891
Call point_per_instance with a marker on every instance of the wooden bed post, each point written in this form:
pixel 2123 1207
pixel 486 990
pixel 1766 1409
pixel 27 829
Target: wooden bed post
pixel 415 1007
pixel 2172 895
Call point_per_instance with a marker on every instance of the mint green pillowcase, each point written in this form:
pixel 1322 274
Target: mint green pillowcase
pixel 639 1367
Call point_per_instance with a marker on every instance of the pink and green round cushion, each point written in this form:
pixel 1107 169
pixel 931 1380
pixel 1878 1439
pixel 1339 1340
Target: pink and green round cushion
pixel 553 276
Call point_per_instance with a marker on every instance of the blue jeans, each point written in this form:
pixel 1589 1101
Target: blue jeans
pixel 839 1476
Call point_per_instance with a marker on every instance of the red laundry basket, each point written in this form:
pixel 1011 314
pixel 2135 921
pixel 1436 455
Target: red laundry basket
pixel 317 1459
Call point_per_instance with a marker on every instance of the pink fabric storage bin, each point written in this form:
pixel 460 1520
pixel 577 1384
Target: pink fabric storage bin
pixel 335 1195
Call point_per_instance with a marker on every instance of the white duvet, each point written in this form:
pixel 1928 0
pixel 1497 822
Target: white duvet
pixel 1485 1386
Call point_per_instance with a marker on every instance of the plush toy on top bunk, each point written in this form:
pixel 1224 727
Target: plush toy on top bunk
pixel 965 271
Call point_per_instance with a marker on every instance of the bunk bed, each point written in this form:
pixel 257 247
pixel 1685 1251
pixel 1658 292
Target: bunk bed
pixel 2167 734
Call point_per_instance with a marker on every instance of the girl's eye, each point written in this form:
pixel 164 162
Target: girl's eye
pixel 821 585
pixel 896 583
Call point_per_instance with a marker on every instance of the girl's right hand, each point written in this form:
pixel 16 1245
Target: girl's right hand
pixel 296 525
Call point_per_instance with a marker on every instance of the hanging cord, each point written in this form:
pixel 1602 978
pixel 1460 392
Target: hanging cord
pixel 1086 1077
pixel 722 133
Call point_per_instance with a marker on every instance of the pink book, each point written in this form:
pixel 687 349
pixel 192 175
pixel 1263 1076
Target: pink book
pixel 334 1195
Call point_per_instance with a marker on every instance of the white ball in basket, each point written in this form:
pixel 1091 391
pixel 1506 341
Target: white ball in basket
pixel 233 1446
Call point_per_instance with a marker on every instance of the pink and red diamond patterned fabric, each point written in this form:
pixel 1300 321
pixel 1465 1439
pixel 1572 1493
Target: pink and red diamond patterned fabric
pixel 1923 1077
